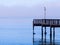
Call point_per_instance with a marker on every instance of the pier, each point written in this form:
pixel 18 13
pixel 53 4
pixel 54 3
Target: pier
pixel 44 23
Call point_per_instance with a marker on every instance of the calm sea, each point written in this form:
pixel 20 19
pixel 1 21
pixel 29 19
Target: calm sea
pixel 22 37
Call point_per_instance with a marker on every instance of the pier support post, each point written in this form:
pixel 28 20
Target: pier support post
pixel 33 34
pixel 45 35
pixel 53 35
pixel 33 37
pixel 42 34
pixel 50 35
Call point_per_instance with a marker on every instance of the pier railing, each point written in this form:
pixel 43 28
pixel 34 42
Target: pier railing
pixel 47 22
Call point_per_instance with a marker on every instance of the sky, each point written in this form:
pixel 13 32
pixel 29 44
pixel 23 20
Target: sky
pixel 29 8
pixel 19 14
pixel 27 2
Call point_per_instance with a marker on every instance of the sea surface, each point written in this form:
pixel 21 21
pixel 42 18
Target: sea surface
pixel 15 36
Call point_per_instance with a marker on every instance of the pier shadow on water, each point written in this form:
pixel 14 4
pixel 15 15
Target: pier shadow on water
pixel 46 43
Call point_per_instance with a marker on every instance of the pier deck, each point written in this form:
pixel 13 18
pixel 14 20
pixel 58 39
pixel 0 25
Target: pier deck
pixel 52 23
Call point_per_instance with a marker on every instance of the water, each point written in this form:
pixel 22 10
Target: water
pixel 39 42
pixel 16 36
pixel 15 32
pixel 38 37
pixel 20 37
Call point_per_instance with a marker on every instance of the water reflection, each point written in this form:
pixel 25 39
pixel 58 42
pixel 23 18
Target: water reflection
pixel 40 42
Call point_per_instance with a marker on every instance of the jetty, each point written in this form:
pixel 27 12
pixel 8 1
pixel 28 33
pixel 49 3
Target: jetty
pixel 44 23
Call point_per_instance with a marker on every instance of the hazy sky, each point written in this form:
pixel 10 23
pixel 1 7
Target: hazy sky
pixel 28 8
pixel 27 2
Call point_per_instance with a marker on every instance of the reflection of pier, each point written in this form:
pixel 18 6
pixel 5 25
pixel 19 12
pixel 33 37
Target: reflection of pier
pixel 52 23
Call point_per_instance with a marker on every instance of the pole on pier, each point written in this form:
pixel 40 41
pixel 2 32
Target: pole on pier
pixel 42 34
pixel 50 35
pixel 53 35
pixel 44 12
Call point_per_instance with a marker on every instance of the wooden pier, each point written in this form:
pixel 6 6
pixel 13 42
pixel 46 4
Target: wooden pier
pixel 52 23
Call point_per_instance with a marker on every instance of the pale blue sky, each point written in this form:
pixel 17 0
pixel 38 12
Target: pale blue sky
pixel 27 8
pixel 27 2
